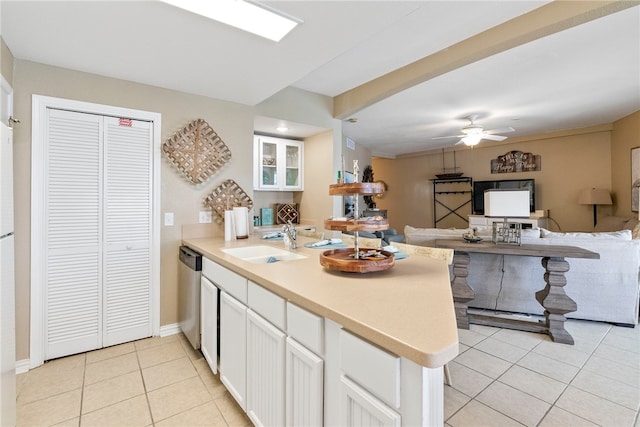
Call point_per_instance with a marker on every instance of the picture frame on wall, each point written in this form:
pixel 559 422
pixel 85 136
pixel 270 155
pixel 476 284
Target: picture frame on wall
pixel 635 179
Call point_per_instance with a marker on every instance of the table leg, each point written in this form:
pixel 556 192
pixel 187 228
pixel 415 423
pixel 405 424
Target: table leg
pixel 462 292
pixel 555 301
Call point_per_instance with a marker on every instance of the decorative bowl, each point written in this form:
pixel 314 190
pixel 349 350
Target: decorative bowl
pixel 472 239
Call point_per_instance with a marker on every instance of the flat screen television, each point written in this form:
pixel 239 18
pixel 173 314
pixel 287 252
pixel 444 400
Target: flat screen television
pixel 479 188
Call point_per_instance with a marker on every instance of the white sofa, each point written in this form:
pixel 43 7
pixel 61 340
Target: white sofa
pixel 606 290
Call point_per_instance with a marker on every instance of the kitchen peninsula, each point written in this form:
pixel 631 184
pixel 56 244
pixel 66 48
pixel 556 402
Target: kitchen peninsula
pixel 375 343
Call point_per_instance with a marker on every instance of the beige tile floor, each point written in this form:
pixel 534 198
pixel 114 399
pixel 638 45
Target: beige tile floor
pixel 500 378
pixel 511 378
pixel 151 382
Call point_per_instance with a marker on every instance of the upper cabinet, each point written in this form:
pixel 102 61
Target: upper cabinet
pixel 278 164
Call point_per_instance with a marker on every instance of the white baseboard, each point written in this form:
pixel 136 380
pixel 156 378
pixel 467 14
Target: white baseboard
pixel 22 366
pixel 171 329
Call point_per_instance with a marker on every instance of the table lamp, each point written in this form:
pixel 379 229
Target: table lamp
pixel 507 204
pixel 595 197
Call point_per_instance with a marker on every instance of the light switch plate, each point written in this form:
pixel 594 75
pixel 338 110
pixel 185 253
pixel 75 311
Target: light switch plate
pixel 168 218
pixel 205 217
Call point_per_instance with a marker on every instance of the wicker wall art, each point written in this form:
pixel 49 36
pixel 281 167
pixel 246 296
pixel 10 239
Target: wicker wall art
pixel 225 197
pixel 197 151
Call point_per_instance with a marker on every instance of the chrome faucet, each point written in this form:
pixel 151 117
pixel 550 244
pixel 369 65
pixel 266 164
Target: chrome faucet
pixel 291 232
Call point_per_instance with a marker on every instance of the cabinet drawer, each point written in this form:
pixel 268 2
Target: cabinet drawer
pixel 371 367
pixel 306 328
pixel 230 282
pixel 268 305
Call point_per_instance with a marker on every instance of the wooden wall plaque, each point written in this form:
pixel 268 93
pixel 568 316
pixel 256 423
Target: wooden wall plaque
pixel 516 161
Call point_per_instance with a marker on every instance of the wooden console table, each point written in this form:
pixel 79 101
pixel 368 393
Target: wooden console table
pixel 553 298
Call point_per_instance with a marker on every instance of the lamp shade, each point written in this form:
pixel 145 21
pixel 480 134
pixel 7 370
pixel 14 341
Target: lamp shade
pixel 506 203
pixel 595 196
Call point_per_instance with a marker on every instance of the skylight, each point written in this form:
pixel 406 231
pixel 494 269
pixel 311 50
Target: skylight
pixel 245 15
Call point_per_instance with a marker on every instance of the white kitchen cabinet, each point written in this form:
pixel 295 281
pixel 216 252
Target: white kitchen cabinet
pixel 233 347
pixel 484 221
pixel 278 164
pixel 375 369
pixel 360 408
pixel 304 386
pixel 209 323
pixel 265 372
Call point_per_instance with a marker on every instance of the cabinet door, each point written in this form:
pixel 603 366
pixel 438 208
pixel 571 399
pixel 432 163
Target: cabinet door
pixel 292 162
pixel 233 347
pixel 267 163
pixel 304 386
pixel 360 408
pixel 265 372
pixel 209 323
pixel 278 164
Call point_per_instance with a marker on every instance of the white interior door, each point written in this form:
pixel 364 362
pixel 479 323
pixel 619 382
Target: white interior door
pixel 128 219
pixel 95 240
pixel 73 233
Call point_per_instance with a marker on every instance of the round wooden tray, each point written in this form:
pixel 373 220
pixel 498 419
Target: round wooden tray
pixel 360 225
pixel 356 188
pixel 342 260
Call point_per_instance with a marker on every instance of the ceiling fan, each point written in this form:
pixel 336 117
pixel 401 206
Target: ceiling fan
pixel 473 133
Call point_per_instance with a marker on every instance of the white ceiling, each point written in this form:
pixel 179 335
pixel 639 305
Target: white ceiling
pixel 583 76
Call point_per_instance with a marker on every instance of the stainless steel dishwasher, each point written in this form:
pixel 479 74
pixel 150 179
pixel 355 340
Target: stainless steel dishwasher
pixel 189 275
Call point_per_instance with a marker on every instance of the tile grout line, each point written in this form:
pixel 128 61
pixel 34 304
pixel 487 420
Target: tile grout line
pixel 555 402
pixel 588 391
pixel 84 380
pixel 552 405
pixel 144 386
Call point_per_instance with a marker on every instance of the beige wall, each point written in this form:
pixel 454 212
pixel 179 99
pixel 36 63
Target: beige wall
pixel 624 137
pixel 571 161
pixel 6 62
pixel 315 202
pixel 301 106
pixel 233 123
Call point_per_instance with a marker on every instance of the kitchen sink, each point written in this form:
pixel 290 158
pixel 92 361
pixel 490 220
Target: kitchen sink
pixel 262 254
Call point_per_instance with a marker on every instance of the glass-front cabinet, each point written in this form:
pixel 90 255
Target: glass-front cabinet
pixel 278 164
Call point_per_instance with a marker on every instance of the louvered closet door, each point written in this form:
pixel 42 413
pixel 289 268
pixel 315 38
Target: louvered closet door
pixel 73 287
pixel 128 215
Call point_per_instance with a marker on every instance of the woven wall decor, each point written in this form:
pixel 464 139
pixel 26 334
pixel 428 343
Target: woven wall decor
pixel 197 151
pixel 225 197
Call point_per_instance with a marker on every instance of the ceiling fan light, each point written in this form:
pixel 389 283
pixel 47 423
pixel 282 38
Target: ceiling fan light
pixel 472 139
pixel 472 130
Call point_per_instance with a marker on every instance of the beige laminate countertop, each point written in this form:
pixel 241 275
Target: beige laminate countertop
pixel 407 309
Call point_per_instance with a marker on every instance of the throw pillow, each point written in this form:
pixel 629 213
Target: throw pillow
pixel 610 223
pixel 631 224
pixel 635 233
pixel 613 235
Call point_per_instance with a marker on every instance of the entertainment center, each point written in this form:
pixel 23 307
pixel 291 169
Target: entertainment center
pixel 462 191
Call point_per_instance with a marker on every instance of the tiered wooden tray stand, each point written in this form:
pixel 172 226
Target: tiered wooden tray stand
pixel 352 259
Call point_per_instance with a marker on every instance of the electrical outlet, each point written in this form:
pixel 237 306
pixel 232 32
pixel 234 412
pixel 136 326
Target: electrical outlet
pixel 205 217
pixel 168 218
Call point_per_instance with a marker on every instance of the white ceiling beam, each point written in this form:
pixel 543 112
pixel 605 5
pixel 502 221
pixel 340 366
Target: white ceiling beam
pixel 549 19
